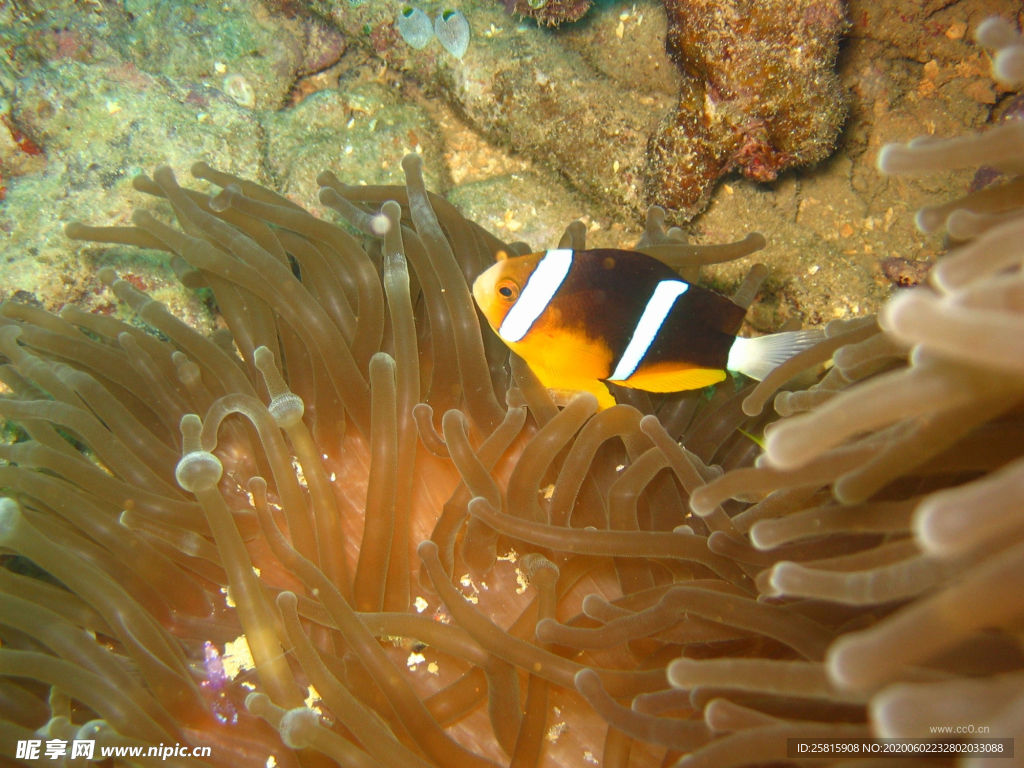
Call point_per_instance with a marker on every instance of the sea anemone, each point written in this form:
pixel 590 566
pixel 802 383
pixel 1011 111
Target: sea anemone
pixel 168 494
pixel 916 434
pixel 404 526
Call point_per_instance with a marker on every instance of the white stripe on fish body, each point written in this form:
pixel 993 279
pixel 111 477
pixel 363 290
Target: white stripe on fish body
pixel 540 288
pixel 657 309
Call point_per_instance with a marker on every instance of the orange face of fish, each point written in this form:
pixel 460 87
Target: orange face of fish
pixel 516 295
pixel 498 288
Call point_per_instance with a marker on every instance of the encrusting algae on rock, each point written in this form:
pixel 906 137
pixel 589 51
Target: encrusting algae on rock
pixel 759 94
pixel 862 578
pixel 549 12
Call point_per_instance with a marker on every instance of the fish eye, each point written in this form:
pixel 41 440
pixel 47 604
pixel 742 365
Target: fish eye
pixel 508 290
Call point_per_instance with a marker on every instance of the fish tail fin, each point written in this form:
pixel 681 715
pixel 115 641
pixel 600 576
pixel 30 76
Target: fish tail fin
pixel 756 358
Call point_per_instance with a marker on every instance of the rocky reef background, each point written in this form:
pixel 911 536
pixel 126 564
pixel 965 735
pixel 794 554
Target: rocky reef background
pixel 534 127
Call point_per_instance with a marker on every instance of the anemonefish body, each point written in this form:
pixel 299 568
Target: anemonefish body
pixel 583 318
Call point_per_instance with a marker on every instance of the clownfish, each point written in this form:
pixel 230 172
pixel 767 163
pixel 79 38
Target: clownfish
pixel 583 318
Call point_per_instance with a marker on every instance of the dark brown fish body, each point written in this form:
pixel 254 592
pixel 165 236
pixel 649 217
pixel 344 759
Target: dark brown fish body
pixel 582 318
pixel 605 294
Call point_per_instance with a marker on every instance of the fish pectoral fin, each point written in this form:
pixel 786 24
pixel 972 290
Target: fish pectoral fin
pixel 564 389
pixel 677 380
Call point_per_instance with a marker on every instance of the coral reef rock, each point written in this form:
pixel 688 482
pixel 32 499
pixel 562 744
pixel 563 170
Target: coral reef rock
pixel 549 12
pixel 759 94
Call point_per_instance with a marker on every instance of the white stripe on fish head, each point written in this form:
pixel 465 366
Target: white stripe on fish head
pixel 540 288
